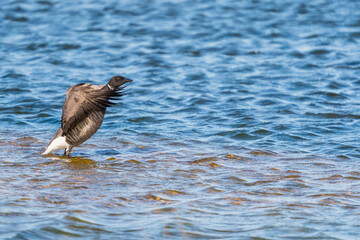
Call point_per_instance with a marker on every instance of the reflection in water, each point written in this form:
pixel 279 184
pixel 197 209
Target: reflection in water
pixel 75 163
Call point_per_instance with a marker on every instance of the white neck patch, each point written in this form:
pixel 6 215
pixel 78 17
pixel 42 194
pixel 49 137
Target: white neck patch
pixel 111 88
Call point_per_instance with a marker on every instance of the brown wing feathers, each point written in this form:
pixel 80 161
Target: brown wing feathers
pixel 83 99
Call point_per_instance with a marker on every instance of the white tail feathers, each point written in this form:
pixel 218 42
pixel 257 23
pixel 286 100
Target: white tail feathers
pixel 56 144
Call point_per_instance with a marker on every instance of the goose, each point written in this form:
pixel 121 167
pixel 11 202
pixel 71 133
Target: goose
pixel 83 113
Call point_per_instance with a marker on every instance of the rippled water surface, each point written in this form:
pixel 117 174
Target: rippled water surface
pixel 242 122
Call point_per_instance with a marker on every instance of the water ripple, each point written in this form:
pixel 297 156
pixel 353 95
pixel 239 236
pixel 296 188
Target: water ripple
pixel 241 121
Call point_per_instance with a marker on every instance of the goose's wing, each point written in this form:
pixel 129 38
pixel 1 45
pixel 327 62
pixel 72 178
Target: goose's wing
pixel 81 100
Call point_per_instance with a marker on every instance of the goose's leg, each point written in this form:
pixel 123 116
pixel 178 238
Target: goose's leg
pixel 68 150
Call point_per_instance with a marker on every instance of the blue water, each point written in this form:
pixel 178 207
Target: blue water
pixel 242 120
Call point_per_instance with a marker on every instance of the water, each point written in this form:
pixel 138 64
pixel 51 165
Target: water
pixel 242 121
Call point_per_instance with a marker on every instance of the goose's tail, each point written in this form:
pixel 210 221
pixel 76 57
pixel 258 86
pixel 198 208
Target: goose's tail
pixel 56 143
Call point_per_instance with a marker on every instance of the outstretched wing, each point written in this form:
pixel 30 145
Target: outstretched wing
pixel 82 99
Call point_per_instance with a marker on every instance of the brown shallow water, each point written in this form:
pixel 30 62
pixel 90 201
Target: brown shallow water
pixel 184 194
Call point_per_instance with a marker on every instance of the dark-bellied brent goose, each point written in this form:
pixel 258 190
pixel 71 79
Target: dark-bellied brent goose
pixel 83 113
